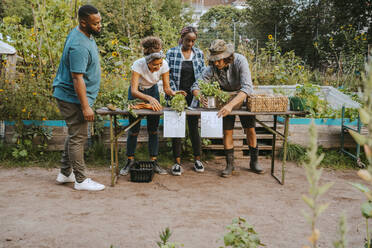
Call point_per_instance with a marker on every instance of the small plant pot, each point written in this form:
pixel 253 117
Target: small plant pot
pixel 297 103
pixel 211 102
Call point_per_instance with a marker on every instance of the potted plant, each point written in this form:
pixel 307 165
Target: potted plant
pixel 214 95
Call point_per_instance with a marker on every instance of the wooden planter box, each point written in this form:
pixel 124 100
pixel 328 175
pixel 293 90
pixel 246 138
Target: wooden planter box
pixel 329 132
pixel 58 129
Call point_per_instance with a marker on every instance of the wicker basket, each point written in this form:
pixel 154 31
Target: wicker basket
pixel 142 171
pixel 267 103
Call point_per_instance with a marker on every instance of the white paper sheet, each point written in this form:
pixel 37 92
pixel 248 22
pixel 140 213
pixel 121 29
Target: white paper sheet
pixel 174 124
pixel 211 125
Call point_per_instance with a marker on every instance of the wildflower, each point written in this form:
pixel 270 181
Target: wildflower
pixel 1 90
pixel 342 27
pixel 32 75
pixel 24 110
pixel 350 25
pixel 270 37
pixel 331 39
pixel 356 38
pixel 44 119
pixel 34 93
pixel 114 54
pixel 316 44
pixel 114 42
pixel 364 38
pixel 6 98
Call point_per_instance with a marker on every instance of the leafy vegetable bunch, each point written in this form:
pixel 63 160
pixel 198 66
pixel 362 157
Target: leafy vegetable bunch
pixel 317 107
pixel 178 103
pixel 213 89
pixel 116 99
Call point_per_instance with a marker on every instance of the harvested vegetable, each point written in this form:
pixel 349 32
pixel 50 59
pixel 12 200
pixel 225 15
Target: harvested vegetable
pixel 141 105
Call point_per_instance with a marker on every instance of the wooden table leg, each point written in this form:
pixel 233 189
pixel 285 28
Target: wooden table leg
pixel 285 148
pixel 116 149
pixel 273 147
pixel 112 152
pixel 114 136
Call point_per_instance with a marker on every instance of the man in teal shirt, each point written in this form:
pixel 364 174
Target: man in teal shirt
pixel 76 87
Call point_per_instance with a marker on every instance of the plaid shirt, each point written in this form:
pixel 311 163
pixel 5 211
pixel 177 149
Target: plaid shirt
pixel 174 59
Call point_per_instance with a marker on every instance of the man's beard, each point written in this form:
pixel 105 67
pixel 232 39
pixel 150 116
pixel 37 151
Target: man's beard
pixel 93 32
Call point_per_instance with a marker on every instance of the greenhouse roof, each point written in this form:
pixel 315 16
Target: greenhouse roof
pixel 6 48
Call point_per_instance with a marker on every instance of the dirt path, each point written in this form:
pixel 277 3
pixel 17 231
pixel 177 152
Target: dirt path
pixel 35 212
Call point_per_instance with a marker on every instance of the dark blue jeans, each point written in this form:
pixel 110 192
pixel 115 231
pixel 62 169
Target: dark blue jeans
pixel 152 126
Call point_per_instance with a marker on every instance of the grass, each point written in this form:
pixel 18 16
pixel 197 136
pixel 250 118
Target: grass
pixel 333 158
pixel 97 155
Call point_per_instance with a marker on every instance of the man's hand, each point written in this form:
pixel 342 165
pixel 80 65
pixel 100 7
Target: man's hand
pixel 88 114
pixel 225 110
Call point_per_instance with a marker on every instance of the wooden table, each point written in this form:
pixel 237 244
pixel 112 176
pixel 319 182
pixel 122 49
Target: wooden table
pixel 115 133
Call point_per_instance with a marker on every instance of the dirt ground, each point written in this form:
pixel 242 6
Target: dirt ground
pixel 35 212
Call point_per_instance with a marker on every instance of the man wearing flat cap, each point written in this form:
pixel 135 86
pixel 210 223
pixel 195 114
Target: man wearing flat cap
pixel 231 71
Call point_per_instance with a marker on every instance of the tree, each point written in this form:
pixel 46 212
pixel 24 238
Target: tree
pixel 311 20
pixel 270 18
pixel 219 23
pixel 19 8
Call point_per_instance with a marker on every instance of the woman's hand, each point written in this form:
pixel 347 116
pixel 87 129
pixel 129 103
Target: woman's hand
pixel 155 104
pixel 200 97
pixel 203 101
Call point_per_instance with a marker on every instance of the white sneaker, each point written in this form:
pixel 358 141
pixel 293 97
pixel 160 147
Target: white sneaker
pixel 63 179
pixel 177 170
pixel 198 166
pixel 89 184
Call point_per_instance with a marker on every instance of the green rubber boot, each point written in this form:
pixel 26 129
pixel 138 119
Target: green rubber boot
pixel 227 172
pixel 255 167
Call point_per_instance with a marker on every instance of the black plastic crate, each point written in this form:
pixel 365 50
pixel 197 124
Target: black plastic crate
pixel 142 171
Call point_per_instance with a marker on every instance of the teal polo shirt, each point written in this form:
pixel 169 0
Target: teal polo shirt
pixel 80 55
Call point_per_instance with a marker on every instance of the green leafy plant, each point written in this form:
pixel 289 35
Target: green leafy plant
pixel 295 152
pixel 117 98
pixel 342 230
pixel 241 235
pixel 213 89
pixel 313 175
pixel 366 142
pixel 25 137
pixel 164 240
pixel 344 49
pixel 312 100
pixel 178 103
